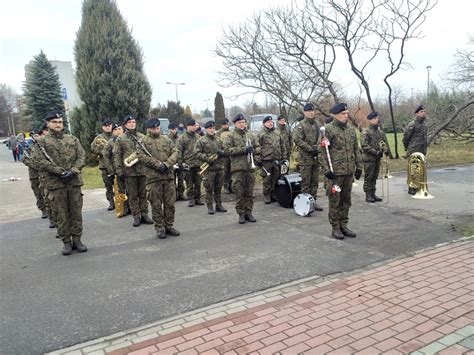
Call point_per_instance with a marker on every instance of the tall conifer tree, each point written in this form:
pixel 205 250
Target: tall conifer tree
pixel 109 75
pixel 42 90
pixel 219 109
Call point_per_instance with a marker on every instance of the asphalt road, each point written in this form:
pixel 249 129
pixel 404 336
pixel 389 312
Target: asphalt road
pixel 129 278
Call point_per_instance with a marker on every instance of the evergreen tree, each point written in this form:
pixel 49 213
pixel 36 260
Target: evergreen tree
pixel 219 109
pixel 109 75
pixel 42 90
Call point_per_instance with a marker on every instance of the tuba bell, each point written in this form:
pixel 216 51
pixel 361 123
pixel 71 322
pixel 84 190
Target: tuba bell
pixel 119 199
pixel 417 176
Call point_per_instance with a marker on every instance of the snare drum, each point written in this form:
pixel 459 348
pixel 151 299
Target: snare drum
pixel 287 187
pixel 303 205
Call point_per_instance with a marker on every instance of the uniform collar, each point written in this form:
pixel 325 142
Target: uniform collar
pixel 55 134
pixel 340 124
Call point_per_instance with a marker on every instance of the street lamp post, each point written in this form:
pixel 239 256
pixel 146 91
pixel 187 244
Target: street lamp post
pixel 428 69
pixel 207 103
pixel 175 88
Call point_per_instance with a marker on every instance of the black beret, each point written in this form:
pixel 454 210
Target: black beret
pixel 172 125
pixel 238 117
pixel 419 108
pixel 115 126
pixel 128 118
pixel 267 118
pixel 309 107
pixel 225 121
pixel 54 114
pixel 44 127
pixel 281 117
pixel 107 122
pixel 372 115
pixel 190 122
pixel 152 123
pixel 338 108
pixel 210 124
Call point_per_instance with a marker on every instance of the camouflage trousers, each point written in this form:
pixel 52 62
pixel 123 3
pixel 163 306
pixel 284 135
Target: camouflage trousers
pixel 243 183
pixel 39 194
pixel 162 196
pixel 109 184
pixel 340 202
pixel 47 203
pixel 193 184
pixel 371 172
pixel 67 206
pixel 213 181
pixel 179 181
pixel 227 172
pixel 310 179
pixel 269 181
pixel 136 192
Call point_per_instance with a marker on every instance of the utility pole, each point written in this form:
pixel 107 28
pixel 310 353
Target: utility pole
pixel 175 88
pixel 428 69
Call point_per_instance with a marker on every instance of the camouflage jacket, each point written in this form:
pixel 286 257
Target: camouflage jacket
pixel 222 133
pixel 287 140
pixel 207 146
pixel 28 161
pixel 108 156
pixel 186 149
pixel 66 154
pixel 343 149
pixel 173 137
pixel 306 138
pixel 234 146
pixel 415 137
pixel 370 143
pixel 162 150
pixel 124 146
pixel 98 145
pixel 271 143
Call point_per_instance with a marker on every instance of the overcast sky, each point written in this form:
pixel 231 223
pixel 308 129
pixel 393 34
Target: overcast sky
pixel 178 38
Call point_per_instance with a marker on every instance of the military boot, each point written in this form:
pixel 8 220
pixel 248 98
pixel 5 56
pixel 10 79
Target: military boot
pixel 220 208
pixel 267 199
pixel 336 233
pixel 52 225
pixel 111 205
pixel 210 209
pixel 191 202
pixel 161 234
pixel 136 220
pixel 44 214
pixel 250 218
pixel 242 218
pixel 347 232
pixel 412 191
pixel 226 189
pixel 171 231
pixel 376 198
pixel 67 249
pixel 145 219
pixel 198 202
pixel 317 207
pixel 369 197
pixel 77 245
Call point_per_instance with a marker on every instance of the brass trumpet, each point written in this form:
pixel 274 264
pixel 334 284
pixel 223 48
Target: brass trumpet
pixel 204 166
pixel 250 155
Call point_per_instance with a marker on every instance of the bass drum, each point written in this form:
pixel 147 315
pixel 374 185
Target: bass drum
pixel 303 205
pixel 287 188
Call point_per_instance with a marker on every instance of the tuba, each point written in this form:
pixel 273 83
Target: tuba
pixel 119 199
pixel 417 176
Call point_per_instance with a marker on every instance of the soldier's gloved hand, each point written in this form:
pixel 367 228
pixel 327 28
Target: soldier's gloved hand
pixel 220 153
pixel 162 168
pixel 259 164
pixel 329 175
pixel 111 176
pixel 122 178
pixel 314 152
pixel 380 154
pixel 248 149
pixel 67 176
pixel 358 174
pixel 276 162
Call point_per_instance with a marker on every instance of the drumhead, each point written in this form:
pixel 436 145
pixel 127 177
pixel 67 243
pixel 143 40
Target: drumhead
pixel 303 205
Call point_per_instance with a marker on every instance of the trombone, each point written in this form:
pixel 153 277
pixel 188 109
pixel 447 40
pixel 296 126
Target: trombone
pixel 204 166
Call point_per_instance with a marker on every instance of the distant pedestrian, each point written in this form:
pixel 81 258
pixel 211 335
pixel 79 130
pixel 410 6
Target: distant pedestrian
pixel 13 146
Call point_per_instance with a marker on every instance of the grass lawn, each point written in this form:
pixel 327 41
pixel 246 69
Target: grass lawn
pixel 449 152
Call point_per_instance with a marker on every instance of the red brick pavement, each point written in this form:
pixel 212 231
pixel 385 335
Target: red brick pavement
pixel 395 308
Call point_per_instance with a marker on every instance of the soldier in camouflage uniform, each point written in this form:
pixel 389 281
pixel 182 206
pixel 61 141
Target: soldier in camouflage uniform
pixel 284 131
pixel 306 138
pixel 108 156
pixel 346 163
pixel 189 162
pixel 415 137
pixel 239 145
pixel 133 176
pixel 62 157
pixel 34 175
pixel 371 155
pixel 273 154
pixel 179 172
pixel 210 149
pixel 223 132
pixel 97 146
pixel 161 190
